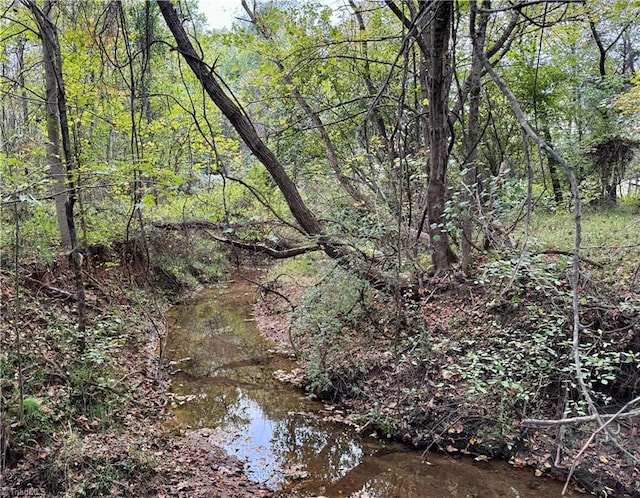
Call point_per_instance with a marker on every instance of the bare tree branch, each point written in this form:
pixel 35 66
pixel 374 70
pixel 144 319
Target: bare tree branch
pixel 262 248
pixel 532 422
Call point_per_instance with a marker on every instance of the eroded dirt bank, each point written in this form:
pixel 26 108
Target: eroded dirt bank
pixel 95 420
pixel 389 381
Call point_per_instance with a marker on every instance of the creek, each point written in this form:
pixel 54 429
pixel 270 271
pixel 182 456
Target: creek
pixel 225 384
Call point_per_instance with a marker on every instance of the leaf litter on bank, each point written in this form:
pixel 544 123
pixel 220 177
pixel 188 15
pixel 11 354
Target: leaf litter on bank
pixel 128 450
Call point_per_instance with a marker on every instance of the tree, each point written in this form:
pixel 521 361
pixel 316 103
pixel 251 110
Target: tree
pixel 54 153
pixel 344 252
pixel 58 132
pixel 612 157
pixel 243 125
pixel 611 152
pixel 471 139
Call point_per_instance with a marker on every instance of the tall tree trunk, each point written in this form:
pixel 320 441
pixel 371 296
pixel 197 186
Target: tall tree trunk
pixel 145 48
pixel 54 154
pixel 472 137
pixel 57 121
pixel 438 82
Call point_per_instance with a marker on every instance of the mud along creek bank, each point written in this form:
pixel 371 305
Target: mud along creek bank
pixel 223 386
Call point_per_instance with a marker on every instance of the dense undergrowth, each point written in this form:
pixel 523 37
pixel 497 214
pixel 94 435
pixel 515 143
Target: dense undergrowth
pixel 461 367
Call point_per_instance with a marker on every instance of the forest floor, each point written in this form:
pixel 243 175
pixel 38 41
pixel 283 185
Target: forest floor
pixel 387 385
pixel 95 422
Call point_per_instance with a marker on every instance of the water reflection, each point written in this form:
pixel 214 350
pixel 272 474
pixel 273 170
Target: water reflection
pixel 226 371
pixel 225 383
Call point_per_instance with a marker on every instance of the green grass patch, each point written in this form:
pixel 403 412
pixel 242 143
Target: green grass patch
pixel 291 269
pixel 601 229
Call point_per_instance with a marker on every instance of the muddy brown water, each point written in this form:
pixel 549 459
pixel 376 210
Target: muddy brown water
pixel 225 385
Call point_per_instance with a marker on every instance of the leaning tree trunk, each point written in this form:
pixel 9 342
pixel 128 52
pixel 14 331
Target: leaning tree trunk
pixel 347 255
pixel 242 124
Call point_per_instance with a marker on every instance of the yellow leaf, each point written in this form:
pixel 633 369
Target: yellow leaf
pixel 604 459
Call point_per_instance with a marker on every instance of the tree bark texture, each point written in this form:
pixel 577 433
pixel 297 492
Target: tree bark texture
pixel 54 153
pixel 58 132
pixel 438 81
